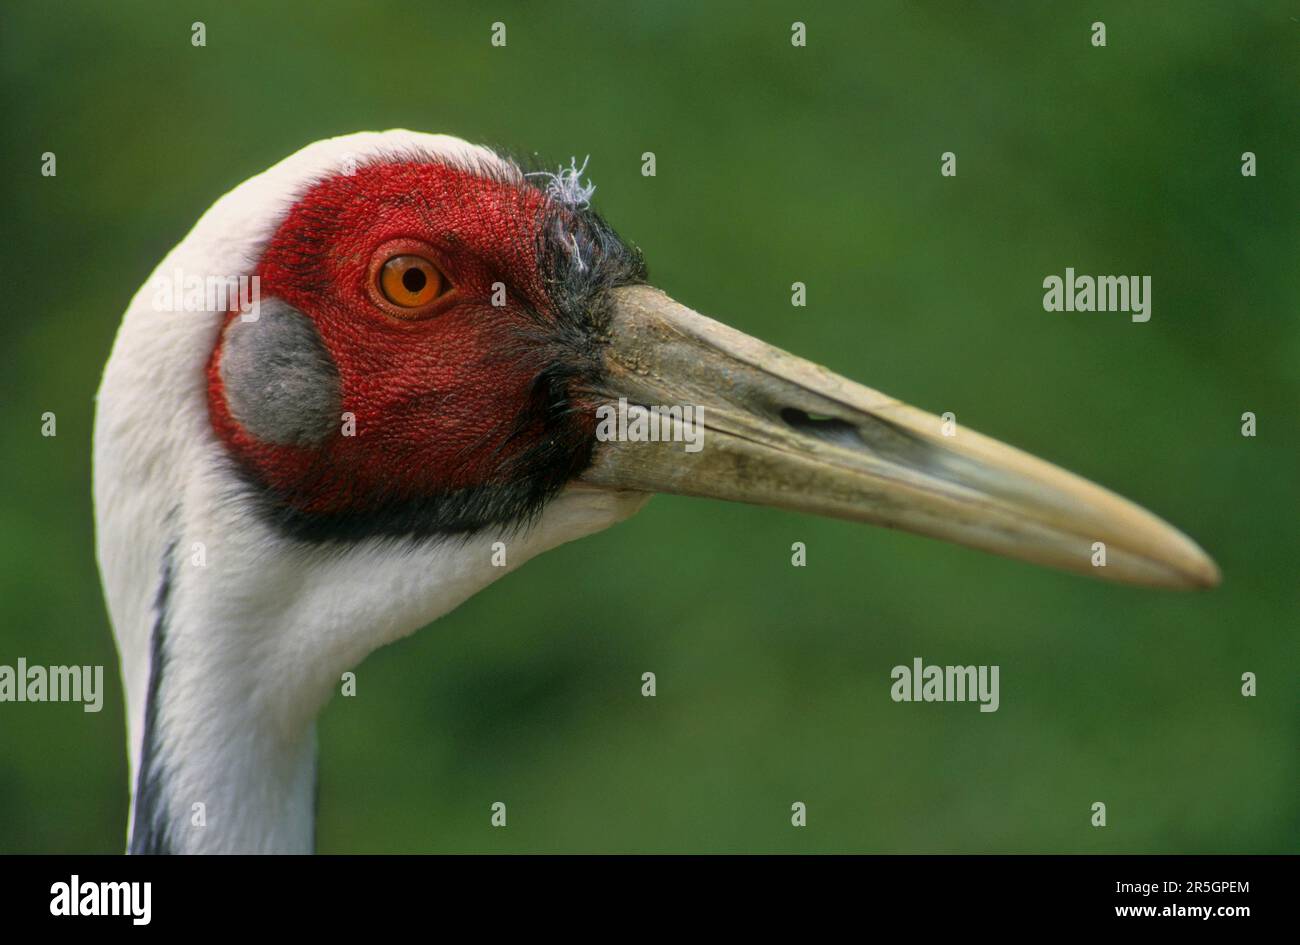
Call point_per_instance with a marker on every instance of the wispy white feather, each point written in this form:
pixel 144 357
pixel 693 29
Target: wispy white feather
pixel 566 184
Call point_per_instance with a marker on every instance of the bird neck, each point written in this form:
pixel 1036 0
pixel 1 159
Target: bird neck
pixel 249 638
pixel 220 772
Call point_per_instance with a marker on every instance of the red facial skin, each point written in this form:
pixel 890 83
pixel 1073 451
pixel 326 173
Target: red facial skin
pixel 436 398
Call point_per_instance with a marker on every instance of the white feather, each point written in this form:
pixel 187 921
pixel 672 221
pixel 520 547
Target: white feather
pixel 567 186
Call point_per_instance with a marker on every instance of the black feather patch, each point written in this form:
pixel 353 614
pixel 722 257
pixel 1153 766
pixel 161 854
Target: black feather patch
pixel 150 832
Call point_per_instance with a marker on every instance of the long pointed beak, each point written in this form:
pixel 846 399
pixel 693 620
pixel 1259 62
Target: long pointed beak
pixel 778 430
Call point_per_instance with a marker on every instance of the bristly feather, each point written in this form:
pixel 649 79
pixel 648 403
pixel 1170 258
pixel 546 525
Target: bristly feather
pixel 566 186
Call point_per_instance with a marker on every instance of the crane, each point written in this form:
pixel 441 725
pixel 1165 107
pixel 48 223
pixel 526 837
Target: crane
pixel 412 372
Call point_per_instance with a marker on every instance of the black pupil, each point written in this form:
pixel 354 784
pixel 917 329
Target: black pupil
pixel 413 280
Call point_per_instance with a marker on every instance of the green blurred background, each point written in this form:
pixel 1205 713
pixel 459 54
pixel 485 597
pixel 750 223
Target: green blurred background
pixel 775 164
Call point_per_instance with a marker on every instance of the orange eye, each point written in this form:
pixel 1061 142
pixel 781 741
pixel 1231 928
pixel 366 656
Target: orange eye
pixel 410 282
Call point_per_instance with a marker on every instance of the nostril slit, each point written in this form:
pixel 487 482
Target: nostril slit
pixel 823 427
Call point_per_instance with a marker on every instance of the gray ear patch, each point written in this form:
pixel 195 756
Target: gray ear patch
pixel 280 382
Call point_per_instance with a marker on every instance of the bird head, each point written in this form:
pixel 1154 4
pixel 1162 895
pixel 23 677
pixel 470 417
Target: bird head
pixel 283 488
pixel 457 312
